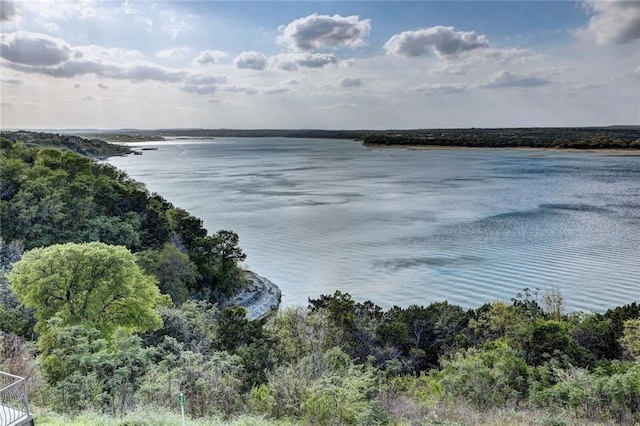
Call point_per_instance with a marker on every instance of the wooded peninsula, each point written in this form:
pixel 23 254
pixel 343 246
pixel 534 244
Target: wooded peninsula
pixel 613 137
pixel 113 302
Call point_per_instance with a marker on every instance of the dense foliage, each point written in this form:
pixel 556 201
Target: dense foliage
pixel 340 361
pixel 573 138
pixel 48 196
pixel 77 235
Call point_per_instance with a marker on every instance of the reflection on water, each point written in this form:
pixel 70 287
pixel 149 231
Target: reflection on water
pixel 402 227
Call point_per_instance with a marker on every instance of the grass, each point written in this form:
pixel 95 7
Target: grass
pixel 146 417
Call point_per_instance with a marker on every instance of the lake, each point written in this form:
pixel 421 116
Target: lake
pixel 401 227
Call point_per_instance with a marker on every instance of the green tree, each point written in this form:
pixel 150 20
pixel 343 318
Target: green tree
pixel 495 376
pixel 90 284
pixel 185 226
pixel 552 339
pixel 630 340
pixel 218 258
pixel 174 270
pixel 84 371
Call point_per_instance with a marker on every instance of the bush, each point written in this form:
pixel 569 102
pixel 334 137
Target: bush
pixel 613 397
pixel 495 377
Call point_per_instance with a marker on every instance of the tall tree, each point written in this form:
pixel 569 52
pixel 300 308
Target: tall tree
pixel 90 284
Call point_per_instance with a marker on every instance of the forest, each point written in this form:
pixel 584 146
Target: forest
pixel 112 304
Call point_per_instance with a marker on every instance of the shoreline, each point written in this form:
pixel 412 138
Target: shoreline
pixel 603 151
pixel 260 298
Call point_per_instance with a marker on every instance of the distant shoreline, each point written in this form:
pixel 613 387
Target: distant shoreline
pixel 623 152
pixel 581 138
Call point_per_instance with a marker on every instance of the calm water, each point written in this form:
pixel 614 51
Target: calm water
pixel 403 227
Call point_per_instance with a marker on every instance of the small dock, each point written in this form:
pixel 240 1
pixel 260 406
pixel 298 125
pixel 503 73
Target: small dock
pixel 14 401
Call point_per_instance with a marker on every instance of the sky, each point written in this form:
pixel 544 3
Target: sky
pixel 89 64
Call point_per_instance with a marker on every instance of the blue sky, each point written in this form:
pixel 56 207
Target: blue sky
pixel 304 64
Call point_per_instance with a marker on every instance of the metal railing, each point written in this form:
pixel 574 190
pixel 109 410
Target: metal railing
pixel 14 400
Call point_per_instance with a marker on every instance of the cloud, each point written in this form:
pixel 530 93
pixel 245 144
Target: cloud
pixel 12 81
pixel 174 23
pixel 614 21
pixel 52 27
pixel 208 57
pixel 33 49
pixel 242 89
pixel 274 90
pixel 443 41
pixel 87 98
pixel 441 88
pixel 250 60
pixel 173 53
pixel 137 71
pixel 206 79
pixel 507 79
pixel 291 61
pixel 347 82
pixel 8 10
pixel 77 85
pixel 323 31
pixel 41 54
pixel 103 86
pixel 200 89
pixel 342 106
pixel 138 16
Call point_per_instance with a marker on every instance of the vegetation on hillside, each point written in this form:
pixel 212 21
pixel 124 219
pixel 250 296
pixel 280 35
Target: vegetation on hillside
pixel 90 147
pixel 556 138
pixel 49 196
pixel 86 252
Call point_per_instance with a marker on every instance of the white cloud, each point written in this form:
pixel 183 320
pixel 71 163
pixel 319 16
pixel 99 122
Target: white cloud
pixel 241 89
pixel 12 81
pixel 33 49
pixel 200 89
pixel 274 90
pixel 138 16
pixel 136 71
pixel 507 79
pixel 103 86
pixel 174 23
pixel 443 41
pixel 614 21
pixel 41 54
pixel 206 79
pixel 48 10
pixel 291 61
pixel 52 27
pixel 8 10
pixel 348 82
pixel 250 60
pixel 441 88
pixel 342 106
pixel 88 98
pixel 208 57
pixel 323 31
pixel 173 53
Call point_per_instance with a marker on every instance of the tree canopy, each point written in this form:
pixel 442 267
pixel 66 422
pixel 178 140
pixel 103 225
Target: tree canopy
pixel 91 284
pixel 49 196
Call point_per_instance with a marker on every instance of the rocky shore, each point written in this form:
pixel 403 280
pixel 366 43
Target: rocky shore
pixel 261 297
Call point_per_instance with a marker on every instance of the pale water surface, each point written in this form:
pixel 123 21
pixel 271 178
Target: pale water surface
pixel 402 227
